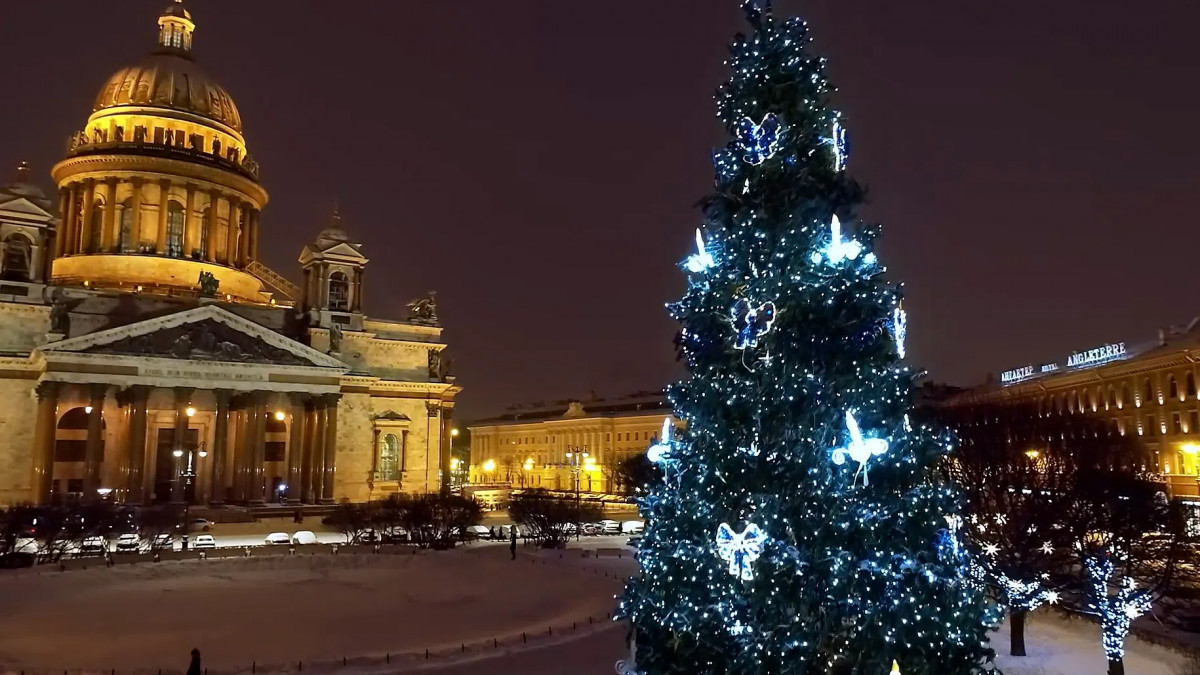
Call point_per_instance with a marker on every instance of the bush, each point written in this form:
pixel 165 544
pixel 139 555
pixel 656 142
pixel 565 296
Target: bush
pixel 549 517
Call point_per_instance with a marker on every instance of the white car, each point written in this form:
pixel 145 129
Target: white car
pixel 633 527
pixel 303 537
pixel 277 539
pixel 163 542
pixel 610 526
pixel 200 525
pixel 128 542
pixel 204 541
pixel 93 546
pixel 478 532
pixel 26 544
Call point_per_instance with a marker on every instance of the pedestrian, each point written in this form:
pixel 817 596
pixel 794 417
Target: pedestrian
pixel 492 533
pixel 512 542
pixel 194 666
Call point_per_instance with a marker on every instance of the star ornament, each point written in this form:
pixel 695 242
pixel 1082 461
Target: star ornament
pixel 660 452
pixel 760 141
pixel 859 449
pixel 702 260
pixel 740 550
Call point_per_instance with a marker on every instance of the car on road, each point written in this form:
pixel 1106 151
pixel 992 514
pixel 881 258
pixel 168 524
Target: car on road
pixel 93 546
pixel 633 527
pixel 610 526
pixel 128 542
pixel 204 541
pixel 304 538
pixel 200 525
pixel 278 539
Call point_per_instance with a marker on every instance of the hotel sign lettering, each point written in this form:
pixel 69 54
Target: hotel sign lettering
pixel 1098 355
pixel 1016 375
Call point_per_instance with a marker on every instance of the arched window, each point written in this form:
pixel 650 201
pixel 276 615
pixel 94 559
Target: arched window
pixel 389 458
pixel 1191 385
pixel 175 229
pixel 97 226
pixel 1173 387
pixel 18 252
pixel 128 236
pixel 339 292
pixel 70 444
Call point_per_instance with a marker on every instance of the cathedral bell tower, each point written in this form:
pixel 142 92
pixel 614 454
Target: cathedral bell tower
pixel 332 291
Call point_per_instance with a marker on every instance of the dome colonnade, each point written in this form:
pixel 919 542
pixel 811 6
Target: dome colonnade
pixel 159 186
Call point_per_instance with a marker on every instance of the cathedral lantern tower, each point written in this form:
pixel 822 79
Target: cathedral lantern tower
pixel 159 186
pixel 332 291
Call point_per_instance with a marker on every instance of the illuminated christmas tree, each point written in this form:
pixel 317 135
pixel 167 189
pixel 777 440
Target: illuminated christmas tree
pixel 799 527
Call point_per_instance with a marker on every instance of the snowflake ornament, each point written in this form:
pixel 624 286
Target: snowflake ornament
pixel 760 141
pixel 740 550
pixel 859 449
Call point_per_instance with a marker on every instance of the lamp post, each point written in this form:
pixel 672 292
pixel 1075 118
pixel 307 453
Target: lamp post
pixel 577 456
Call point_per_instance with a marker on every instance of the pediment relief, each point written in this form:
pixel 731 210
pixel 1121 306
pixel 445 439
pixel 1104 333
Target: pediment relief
pixel 206 340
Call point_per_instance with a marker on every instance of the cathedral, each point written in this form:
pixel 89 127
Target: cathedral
pixel 148 356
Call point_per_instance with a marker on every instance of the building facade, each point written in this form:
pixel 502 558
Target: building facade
pixel 554 446
pixel 1148 389
pixel 146 353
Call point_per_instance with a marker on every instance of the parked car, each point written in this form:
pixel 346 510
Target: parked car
pixel 593 529
pixel 368 536
pixel 204 541
pixel 478 532
pixel 93 546
pixel 304 537
pixel 278 539
pixel 200 525
pixel 26 543
pixel 633 527
pixel 395 535
pixel 128 542
pixel 163 542
pixel 610 526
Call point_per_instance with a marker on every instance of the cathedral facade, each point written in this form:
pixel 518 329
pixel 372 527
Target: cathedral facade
pixel 148 356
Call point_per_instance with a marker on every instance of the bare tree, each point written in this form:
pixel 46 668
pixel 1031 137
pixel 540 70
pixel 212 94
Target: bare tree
pixel 549 517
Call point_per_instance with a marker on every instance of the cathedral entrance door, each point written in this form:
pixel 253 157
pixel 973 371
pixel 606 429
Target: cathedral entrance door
pixel 168 468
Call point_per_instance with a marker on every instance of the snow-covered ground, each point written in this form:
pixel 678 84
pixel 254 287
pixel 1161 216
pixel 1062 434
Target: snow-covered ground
pixel 281 610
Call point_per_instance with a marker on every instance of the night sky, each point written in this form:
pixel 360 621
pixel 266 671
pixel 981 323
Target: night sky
pixel 538 162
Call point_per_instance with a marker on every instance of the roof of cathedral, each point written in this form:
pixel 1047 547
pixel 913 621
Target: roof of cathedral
pixel 170 78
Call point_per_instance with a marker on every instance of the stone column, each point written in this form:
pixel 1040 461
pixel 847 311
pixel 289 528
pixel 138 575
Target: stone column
pixel 94 452
pixel 183 396
pixel 444 446
pixel 135 229
pixel 85 230
pixel 241 461
pixel 70 222
pixel 136 446
pixel 295 449
pixel 220 443
pixel 358 290
pixel 214 203
pixel 328 467
pixel 49 246
pixel 164 193
pixel 232 243
pixel 109 233
pixel 191 233
pixel 45 426
pixel 306 460
pixel 258 449
pixel 66 197
pixel 317 456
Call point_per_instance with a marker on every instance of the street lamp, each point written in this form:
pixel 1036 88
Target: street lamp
pixel 578 457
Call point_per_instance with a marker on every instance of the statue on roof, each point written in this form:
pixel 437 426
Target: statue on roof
pixel 424 310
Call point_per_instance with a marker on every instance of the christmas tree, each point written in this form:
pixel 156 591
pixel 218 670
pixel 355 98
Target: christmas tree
pixel 800 526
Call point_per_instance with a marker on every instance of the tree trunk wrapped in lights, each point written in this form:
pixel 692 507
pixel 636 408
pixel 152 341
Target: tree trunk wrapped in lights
pixel 799 527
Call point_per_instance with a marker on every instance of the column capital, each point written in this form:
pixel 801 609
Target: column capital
pixel 329 400
pixel 47 388
pixel 299 398
pixel 98 389
pixel 183 392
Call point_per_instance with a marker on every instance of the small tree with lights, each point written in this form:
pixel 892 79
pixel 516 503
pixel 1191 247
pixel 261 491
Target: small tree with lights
pixel 800 526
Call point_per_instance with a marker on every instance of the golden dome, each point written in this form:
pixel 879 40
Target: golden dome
pixel 172 82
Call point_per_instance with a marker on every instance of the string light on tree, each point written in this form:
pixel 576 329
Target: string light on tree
pixel 1118 611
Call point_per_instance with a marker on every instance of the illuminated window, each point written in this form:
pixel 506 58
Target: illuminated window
pixel 389 458
pixel 128 243
pixel 175 229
